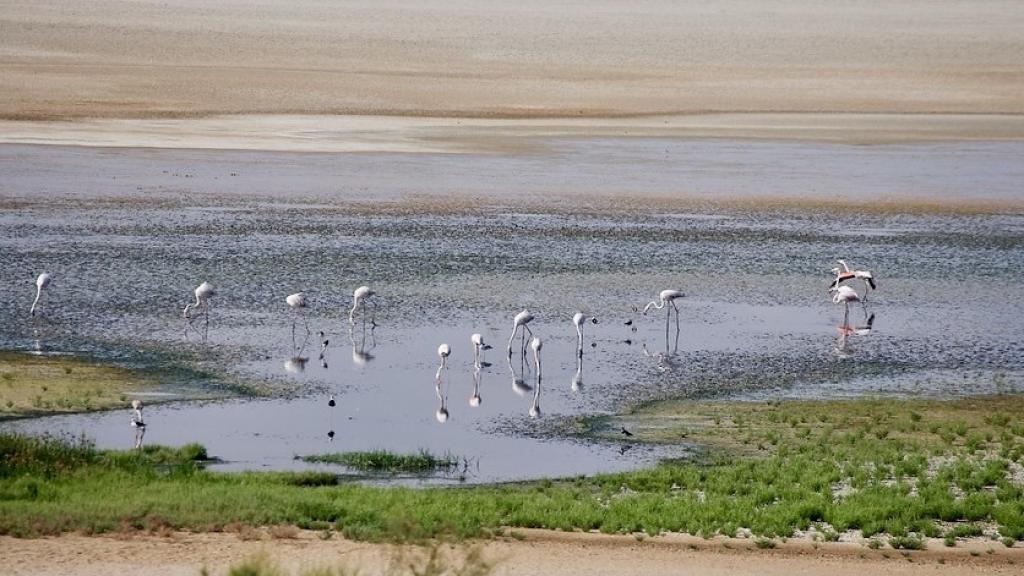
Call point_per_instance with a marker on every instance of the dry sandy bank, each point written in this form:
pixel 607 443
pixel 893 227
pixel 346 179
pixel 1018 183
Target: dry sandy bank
pixel 539 553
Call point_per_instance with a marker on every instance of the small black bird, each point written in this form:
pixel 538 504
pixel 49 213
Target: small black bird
pixel 626 432
pixel 331 402
pixel 628 322
pixel 330 435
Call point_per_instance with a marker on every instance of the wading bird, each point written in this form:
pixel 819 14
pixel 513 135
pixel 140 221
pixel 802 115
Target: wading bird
pixel 520 320
pixel 359 298
pixel 536 345
pixel 846 274
pixel 298 303
pixel 138 423
pixel 844 295
pixel 578 320
pixel 42 282
pixel 666 297
pixel 203 293
pixel 443 352
pixel 478 345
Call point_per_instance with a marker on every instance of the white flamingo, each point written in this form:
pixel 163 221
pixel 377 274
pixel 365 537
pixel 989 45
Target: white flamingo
pixel 478 345
pixel 138 423
pixel 42 283
pixel 846 274
pixel 443 352
pixel 666 297
pixel 298 303
pixel 844 295
pixel 203 293
pixel 578 320
pixel 520 320
pixel 359 298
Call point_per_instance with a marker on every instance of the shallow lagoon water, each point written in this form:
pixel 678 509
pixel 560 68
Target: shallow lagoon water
pixel 756 322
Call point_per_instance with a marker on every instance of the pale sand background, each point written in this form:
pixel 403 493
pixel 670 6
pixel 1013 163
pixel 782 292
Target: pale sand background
pixel 542 552
pixel 601 59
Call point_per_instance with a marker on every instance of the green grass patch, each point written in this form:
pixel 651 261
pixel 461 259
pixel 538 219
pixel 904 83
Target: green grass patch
pixel 34 385
pixel 830 470
pixel 388 462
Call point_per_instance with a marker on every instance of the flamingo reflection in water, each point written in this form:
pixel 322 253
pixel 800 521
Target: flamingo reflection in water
pixel 474 398
pixel 536 345
pixel 361 355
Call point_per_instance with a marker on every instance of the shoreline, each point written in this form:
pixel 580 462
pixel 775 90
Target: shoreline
pixel 411 133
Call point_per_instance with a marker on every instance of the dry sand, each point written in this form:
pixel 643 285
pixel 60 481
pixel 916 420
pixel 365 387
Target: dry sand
pixel 599 59
pixel 549 553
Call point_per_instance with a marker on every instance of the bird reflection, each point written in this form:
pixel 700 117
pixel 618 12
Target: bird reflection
pixel 843 348
pixel 442 399
pixel 360 353
pixel 297 363
pixel 577 378
pixel 324 342
pixel 474 399
pixel 519 385
pixel 536 345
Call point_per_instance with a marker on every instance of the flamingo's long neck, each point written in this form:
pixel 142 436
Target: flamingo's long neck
pixel 352 313
pixel 39 292
pixel 652 304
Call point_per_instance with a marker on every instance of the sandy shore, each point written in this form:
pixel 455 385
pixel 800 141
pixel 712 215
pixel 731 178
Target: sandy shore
pixel 540 552
pixel 596 59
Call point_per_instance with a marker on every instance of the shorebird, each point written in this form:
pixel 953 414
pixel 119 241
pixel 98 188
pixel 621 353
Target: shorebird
pixel 478 345
pixel 359 298
pixel 578 320
pixel 521 319
pixel 666 297
pixel 443 351
pixel 42 282
pixel 138 423
pixel 846 274
pixel 844 295
pixel 298 303
pixel 203 293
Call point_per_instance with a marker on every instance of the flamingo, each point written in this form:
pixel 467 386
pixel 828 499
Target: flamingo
pixel 298 303
pixel 844 295
pixel 846 274
pixel 521 319
pixel 443 352
pixel 666 297
pixel 42 282
pixel 203 293
pixel 536 345
pixel 579 319
pixel 359 297
pixel 138 423
pixel 478 345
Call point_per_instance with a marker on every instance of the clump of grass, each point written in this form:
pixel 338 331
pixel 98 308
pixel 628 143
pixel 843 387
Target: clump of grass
pixel 764 543
pixel 907 543
pixel 388 462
